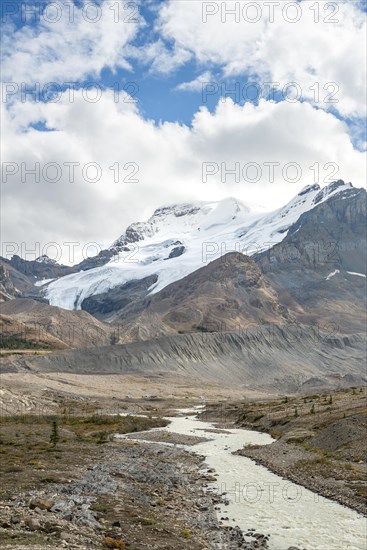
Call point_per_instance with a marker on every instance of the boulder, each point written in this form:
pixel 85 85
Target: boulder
pixel 33 524
pixel 41 503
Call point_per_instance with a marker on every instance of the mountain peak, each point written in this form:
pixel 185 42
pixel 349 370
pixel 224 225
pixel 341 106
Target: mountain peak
pixel 340 185
pixel 176 220
pixel 309 188
pixel 178 210
pixel 44 259
pixel 180 238
pixel 332 188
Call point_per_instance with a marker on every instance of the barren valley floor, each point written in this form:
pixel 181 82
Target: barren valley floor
pixel 91 490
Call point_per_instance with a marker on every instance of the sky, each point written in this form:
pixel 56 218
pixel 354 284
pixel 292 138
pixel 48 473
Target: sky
pixel 110 109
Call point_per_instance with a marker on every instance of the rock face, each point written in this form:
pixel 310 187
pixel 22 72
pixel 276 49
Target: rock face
pixel 15 335
pixel 118 299
pixel 7 288
pixel 39 267
pixel 319 269
pixel 139 230
pixel 176 252
pixel 102 258
pixel 44 259
pixel 228 294
pixel 330 236
pixel 50 326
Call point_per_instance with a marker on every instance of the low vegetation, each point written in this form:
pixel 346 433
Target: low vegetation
pixel 319 437
pixel 16 343
pixel 46 449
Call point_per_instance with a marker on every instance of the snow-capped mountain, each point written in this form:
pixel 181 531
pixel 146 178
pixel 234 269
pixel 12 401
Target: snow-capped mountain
pixel 180 239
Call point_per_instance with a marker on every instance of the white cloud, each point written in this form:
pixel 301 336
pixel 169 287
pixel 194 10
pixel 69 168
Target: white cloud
pixel 170 158
pixel 196 85
pixel 70 49
pixel 159 57
pixel 306 52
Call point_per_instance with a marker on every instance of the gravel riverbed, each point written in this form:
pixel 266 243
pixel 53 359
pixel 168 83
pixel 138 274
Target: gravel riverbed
pixel 139 495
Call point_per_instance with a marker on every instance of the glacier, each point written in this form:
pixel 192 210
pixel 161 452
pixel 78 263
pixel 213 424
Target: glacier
pixel 179 239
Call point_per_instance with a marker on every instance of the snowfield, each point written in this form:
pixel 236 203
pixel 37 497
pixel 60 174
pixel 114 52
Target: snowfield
pixel 180 239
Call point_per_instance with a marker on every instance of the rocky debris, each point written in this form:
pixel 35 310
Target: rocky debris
pixel 237 540
pixel 68 537
pixel 15 519
pixel 228 358
pixel 162 486
pixel 168 437
pixel 283 459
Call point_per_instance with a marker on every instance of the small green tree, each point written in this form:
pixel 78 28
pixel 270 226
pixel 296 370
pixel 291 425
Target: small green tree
pixel 296 412
pixel 331 400
pixel 54 437
pixel 286 399
pixel 102 438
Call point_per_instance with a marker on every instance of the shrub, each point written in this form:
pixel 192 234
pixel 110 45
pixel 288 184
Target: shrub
pixel 102 438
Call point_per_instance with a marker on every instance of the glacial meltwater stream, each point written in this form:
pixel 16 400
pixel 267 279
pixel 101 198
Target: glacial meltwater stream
pixel 259 499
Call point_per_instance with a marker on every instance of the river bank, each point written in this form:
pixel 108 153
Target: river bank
pixel 177 486
pixel 319 440
pixel 293 516
pixel 94 491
